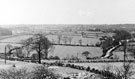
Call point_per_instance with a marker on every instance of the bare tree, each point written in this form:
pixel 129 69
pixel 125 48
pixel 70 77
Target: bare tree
pixel 65 39
pixel 80 41
pixel 59 39
pixel 20 53
pixel 70 39
pixel 27 49
pixel 39 43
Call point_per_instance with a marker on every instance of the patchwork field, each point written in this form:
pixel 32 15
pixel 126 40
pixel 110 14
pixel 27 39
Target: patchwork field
pixel 61 51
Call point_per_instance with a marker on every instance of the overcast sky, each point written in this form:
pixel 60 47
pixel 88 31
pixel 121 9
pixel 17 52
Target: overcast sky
pixel 67 11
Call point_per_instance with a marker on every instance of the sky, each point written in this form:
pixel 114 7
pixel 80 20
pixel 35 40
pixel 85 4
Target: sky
pixel 67 11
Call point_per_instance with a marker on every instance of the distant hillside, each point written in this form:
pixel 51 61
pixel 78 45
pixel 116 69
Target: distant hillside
pixel 4 31
pixel 70 27
pixel 102 27
pixel 128 27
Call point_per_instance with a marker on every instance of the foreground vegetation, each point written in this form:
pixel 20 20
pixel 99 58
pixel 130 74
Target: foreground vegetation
pixel 38 72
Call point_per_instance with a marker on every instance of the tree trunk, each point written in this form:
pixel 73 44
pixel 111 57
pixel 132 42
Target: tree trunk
pixel 39 54
pixel 39 57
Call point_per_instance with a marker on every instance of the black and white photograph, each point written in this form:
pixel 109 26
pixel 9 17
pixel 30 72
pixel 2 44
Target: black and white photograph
pixel 67 39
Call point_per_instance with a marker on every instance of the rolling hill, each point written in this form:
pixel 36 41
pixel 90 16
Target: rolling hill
pixel 63 51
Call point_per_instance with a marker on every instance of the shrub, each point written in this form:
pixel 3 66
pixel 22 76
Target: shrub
pixel 59 64
pixel 41 72
pixel 14 73
pixel 126 71
pixel 88 69
pixel 98 44
pixel 34 56
pixel 74 58
pixel 54 58
pixel 92 70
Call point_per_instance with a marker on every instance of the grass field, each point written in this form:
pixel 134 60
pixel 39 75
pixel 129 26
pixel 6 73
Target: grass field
pixel 64 71
pixel 68 51
pixel 12 39
pixel 75 39
pixel 61 51
pixel 18 64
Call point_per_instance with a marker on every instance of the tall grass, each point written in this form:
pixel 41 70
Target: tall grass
pixel 124 72
pixel 14 73
pixel 38 72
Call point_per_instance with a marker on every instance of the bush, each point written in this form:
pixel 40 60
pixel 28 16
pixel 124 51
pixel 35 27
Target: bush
pixel 126 71
pixel 14 73
pixel 34 56
pixel 74 58
pixel 59 64
pixel 88 69
pixel 98 44
pixel 41 72
pixel 54 58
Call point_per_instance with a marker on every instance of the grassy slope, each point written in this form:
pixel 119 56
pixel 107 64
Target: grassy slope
pixel 60 51
pixel 63 51
pixel 13 39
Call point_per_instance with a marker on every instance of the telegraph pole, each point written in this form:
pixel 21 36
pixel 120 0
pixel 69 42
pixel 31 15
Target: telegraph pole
pixel 5 54
pixel 125 51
